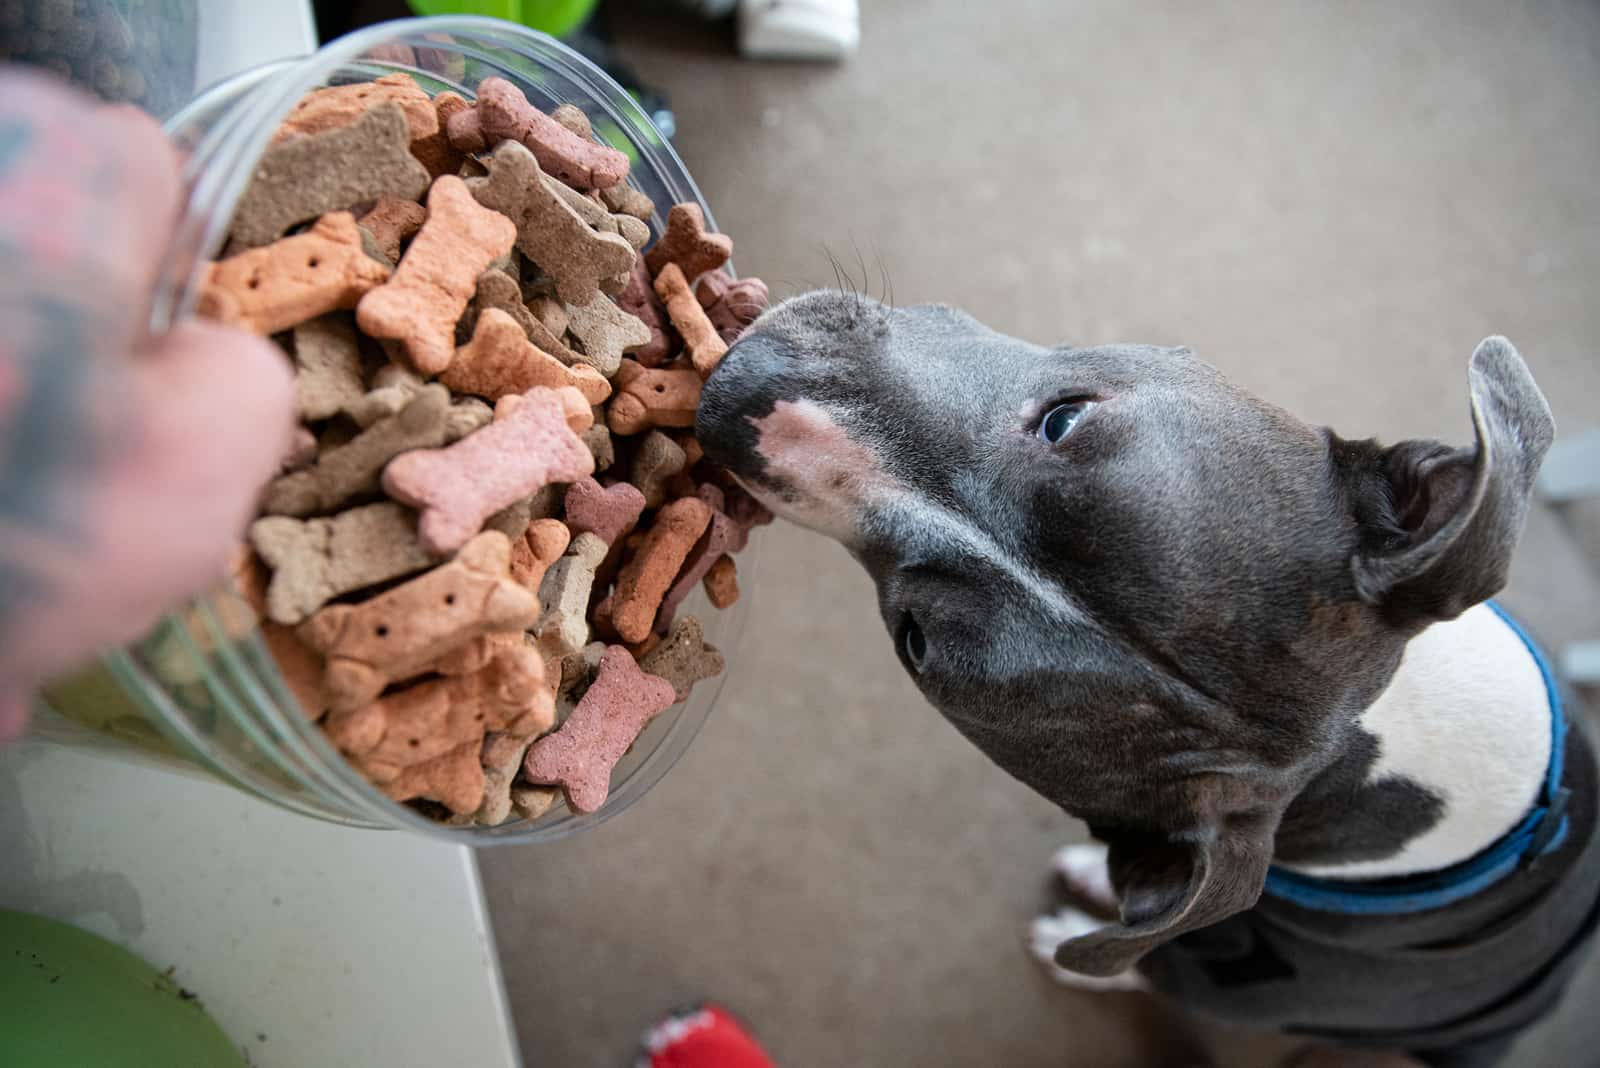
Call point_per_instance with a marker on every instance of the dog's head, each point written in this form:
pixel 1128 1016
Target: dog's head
pixel 1151 597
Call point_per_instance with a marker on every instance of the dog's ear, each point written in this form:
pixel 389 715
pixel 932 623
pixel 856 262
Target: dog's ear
pixel 1170 884
pixel 1441 522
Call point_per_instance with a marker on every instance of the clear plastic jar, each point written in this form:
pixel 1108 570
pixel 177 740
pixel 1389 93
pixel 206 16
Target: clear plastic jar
pixel 201 692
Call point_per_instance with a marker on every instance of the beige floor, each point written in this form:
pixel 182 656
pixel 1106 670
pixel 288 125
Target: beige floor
pixel 1332 204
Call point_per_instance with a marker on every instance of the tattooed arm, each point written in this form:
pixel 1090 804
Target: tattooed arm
pixel 127 467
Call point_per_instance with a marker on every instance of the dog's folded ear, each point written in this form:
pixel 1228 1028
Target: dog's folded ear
pixel 1441 522
pixel 1170 884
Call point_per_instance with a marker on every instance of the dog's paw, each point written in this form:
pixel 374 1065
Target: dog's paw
pixel 1048 932
pixel 1083 872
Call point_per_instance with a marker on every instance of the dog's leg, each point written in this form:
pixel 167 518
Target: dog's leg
pixel 1048 932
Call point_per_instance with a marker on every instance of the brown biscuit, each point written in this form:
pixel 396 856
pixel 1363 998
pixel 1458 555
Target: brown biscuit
pixel 626 200
pixel 704 345
pixel 317 560
pixel 340 105
pixel 597 439
pixel 504 113
pixel 550 312
pixel 689 244
pixel 500 360
pixel 606 332
pixel 573 118
pixel 419 306
pixel 713 545
pixel 638 299
pixel 302 450
pixel 399 633
pixel 722 583
pixel 435 152
pixel 731 305
pixel 513 520
pixel 549 232
pixel 293 279
pixel 391 222
pixel 635 232
pixel 646 398
pixel 497 289
pixel 328 367
pixel 655 462
pixel 539 547
pixel 645 577
pixel 342 472
pixel 684 658
pixel 305 177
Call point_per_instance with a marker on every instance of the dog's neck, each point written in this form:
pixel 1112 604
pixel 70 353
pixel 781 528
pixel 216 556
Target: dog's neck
pixel 1467 718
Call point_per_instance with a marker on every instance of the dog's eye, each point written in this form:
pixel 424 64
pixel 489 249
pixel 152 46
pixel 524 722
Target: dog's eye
pixel 912 644
pixel 1060 420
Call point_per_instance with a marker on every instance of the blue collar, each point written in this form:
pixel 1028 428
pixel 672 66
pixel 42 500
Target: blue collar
pixel 1541 831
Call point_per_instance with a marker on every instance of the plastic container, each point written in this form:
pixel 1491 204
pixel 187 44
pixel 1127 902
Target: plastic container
pixel 201 692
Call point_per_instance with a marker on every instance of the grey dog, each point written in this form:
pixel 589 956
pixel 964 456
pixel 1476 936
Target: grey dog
pixel 1335 790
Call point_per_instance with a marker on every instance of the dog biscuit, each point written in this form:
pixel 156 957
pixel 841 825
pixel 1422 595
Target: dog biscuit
pixel 302 450
pixel 319 559
pixel 646 576
pixel 419 306
pixel 340 473
pixel 609 512
pixel 605 332
pixel 731 305
pixel 712 546
pixel 638 299
pixel 579 756
pixel 540 546
pixel 398 633
pixel 647 398
pixel 435 152
pixel 293 279
pixel 624 199
pixel 564 596
pixel 298 663
pixel 500 360
pixel 340 105
pixel 497 289
pixel 327 367
pixel 700 339
pixel 391 222
pixel 655 462
pixel 689 244
pixel 513 520
pixel 304 177
pixel 530 444
pixel 722 583
pixel 504 113
pixel 683 658
pixel 597 439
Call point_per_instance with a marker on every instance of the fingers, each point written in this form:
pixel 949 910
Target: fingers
pixel 13 716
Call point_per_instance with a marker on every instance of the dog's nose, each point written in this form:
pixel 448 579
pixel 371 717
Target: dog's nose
pixel 756 373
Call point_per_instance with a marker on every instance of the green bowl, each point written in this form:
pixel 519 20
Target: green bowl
pixel 69 998
pixel 555 17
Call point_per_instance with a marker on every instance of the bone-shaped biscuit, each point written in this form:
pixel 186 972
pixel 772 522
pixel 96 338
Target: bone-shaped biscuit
pixel 564 596
pixel 540 546
pixel 419 306
pixel 646 576
pixel 455 780
pixel 392 221
pixel 731 305
pixel 550 233
pixel 631 230
pixel 579 756
pixel 608 512
pixel 652 397
pixel 497 289
pixel 504 113
pixel 714 544
pixel 340 105
pixel 655 462
pixel 400 632
pixel 294 279
pixel 317 560
pixel 500 359
pixel 304 177
pixel 684 658
pixel 700 338
pixel 435 151
pixel 638 299
pixel 722 583
pixel 328 367
pixel 689 244
pixel 606 332
pixel 354 467
pixel 624 199
pixel 530 444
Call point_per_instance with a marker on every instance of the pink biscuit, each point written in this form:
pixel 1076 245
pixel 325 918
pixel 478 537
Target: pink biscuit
pixel 638 299
pixel 530 444
pixel 580 755
pixel 503 113
pixel 718 540
pixel 607 513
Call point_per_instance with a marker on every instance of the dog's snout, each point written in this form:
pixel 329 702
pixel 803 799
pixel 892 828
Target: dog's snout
pixel 747 384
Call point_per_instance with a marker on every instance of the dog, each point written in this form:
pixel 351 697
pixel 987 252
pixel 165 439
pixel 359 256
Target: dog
pixel 1334 790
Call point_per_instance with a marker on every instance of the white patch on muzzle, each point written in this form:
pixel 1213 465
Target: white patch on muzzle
pixel 828 476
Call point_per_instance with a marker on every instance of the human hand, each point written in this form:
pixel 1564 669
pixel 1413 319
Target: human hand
pixel 128 467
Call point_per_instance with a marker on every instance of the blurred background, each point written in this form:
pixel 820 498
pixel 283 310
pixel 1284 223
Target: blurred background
pixel 1331 202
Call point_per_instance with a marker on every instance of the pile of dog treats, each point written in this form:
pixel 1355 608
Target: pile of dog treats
pixel 470 568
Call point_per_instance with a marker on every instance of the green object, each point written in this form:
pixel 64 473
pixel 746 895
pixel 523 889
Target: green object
pixel 69 998
pixel 555 17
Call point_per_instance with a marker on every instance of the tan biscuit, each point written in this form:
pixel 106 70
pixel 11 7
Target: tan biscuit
pixel 564 596
pixel 684 658
pixel 305 177
pixel 455 780
pixel 689 244
pixel 573 118
pixel 605 332
pixel 340 105
pixel 301 452
pixel 501 759
pixel 646 398
pixel 722 583
pixel 626 200
pixel 353 468
pixel 646 576
pixel 579 755
pixel 319 559
pixel 419 306
pixel 328 367
pixel 550 312
pixel 513 520
pixel 549 232
pixel 497 289
pixel 635 232
pixel 638 299
pixel 500 360
pixel 435 152
pixel 530 444
pixel 531 802
pixel 704 345
pixel 292 280
pixel 400 632
pixel 392 222
pixel 597 439
pixel 504 113
pixel 539 547
pixel 655 462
